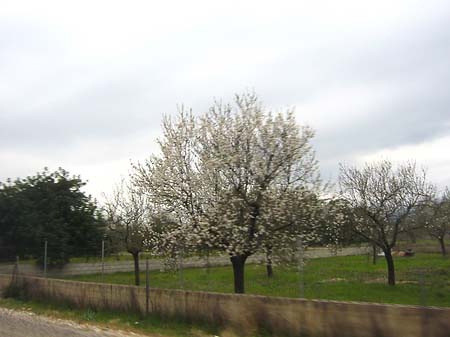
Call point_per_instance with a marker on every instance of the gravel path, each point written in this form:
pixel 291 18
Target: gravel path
pixel 14 323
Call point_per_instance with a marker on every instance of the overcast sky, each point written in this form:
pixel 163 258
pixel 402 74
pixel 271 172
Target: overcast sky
pixel 84 84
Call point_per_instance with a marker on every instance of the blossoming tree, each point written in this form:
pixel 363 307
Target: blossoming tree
pixel 234 177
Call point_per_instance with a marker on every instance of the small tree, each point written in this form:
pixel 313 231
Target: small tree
pixel 127 215
pixel 435 217
pixel 229 175
pixel 383 198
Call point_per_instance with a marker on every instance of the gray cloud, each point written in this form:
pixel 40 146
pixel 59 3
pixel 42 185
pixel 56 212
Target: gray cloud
pixel 365 79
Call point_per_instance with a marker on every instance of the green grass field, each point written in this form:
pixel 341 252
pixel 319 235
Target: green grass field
pixel 421 280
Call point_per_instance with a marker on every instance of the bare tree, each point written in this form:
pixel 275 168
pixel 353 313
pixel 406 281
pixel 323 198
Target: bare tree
pixel 231 177
pixel 383 198
pixel 127 217
pixel 435 217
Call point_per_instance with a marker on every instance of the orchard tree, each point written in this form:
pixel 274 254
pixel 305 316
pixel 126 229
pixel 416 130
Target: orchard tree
pixel 383 198
pixel 296 215
pixel 127 215
pixel 168 240
pixel 136 225
pixel 232 177
pixel 435 216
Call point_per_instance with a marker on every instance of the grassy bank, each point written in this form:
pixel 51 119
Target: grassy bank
pixel 421 280
pixel 152 326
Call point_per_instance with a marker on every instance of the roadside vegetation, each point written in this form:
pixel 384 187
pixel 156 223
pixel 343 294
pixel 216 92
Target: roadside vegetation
pixel 422 280
pixel 49 212
pixel 152 325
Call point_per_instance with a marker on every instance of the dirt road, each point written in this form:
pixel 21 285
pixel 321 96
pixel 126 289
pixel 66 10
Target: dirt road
pixel 24 324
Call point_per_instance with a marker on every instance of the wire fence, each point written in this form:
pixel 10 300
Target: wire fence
pixel 422 279
pixel 243 314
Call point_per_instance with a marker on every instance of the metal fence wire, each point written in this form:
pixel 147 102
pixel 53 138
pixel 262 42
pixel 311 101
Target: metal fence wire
pixel 309 277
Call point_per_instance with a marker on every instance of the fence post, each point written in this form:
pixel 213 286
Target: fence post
pixel 180 268
pixel 423 291
pixel 208 266
pixel 147 287
pixel 300 267
pixel 16 267
pixel 45 259
pixel 103 259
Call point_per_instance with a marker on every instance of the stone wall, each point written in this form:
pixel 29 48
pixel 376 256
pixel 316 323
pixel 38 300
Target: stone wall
pixel 247 313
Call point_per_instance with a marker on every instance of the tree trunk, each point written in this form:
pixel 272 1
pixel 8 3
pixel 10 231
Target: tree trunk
pixel 390 266
pixel 137 278
pixel 269 269
pixel 374 254
pixel 443 250
pixel 238 271
pixel 269 263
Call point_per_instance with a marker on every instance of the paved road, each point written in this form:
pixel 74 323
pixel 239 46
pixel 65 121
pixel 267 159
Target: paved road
pixel 15 323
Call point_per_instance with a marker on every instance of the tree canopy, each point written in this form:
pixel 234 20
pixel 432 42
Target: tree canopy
pixel 435 217
pixel 49 206
pixel 129 221
pixel 238 178
pixel 383 198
